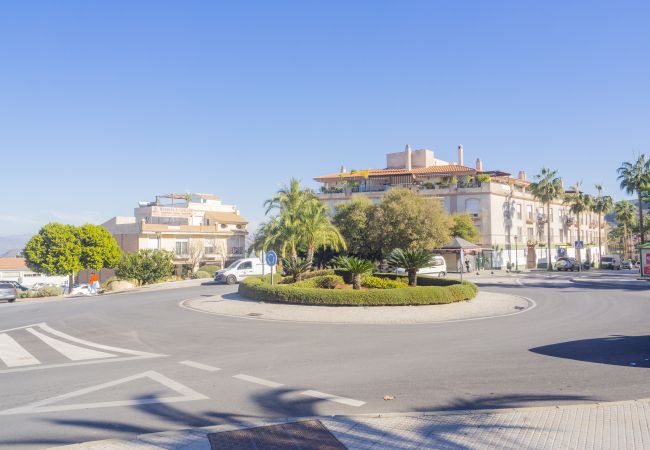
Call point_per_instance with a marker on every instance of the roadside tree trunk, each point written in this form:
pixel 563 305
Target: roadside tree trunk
pixel 641 229
pixel 413 279
pixel 70 282
pixel 549 266
pixel 356 281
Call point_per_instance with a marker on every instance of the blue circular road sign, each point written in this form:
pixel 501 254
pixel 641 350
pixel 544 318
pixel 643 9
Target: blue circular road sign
pixel 271 258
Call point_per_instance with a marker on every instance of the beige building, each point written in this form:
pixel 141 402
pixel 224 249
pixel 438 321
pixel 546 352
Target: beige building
pixel 513 225
pixel 198 228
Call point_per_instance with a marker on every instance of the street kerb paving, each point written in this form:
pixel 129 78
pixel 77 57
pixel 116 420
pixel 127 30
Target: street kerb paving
pixel 614 425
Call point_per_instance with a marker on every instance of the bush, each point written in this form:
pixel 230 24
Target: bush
pixel 201 274
pixel 382 283
pixel 257 289
pixel 321 282
pixel 45 291
pixel 211 269
pixel 146 266
pixel 317 273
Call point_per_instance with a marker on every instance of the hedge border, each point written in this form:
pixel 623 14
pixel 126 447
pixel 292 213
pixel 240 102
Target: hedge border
pixel 256 289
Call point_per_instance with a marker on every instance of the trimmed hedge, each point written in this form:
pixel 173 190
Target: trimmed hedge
pixel 45 291
pixel 370 281
pixel 201 274
pixel 257 289
pixel 321 282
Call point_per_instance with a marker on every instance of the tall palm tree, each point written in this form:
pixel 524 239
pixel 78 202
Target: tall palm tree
pixel 578 203
pixel 635 178
pixel 602 205
pixel 317 230
pixel 546 188
pixel 624 213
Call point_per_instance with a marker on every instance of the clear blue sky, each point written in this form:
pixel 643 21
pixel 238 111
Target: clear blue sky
pixel 103 104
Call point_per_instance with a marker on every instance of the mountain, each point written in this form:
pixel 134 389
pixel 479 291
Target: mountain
pixel 12 244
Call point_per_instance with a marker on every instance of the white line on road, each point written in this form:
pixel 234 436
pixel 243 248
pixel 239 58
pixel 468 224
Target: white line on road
pixel 256 380
pixel 73 352
pixel 13 354
pixel 334 398
pixel 197 365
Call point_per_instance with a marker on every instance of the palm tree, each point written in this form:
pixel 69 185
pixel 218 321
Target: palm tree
pixel 356 266
pixel 547 188
pixel 624 212
pixel 411 260
pixel 635 178
pixel 295 268
pixel 602 205
pixel 578 203
pixel 317 230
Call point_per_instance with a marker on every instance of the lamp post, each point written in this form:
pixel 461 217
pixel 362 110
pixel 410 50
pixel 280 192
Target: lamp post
pixel 516 255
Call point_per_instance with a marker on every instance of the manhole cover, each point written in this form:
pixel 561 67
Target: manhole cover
pixel 305 435
pixel 254 314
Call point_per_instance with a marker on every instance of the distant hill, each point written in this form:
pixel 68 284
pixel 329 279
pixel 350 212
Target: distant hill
pixel 12 244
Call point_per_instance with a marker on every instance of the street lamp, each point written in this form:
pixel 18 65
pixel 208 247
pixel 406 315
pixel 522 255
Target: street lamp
pixel 516 255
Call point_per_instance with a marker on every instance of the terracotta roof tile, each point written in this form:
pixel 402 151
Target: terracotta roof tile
pixel 12 264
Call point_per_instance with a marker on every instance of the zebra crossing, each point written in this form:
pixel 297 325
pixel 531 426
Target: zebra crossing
pixel 39 346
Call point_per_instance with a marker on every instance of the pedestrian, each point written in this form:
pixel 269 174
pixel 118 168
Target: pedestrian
pixel 467 263
pixel 93 283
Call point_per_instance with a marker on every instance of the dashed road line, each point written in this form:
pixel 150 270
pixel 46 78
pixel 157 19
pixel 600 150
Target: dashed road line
pixel 334 398
pixel 256 380
pixel 198 365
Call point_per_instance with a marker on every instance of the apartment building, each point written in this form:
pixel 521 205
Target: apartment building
pixel 512 224
pixel 198 228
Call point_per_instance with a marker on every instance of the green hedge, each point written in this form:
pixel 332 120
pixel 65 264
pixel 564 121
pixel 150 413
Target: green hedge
pixel 45 291
pixel 370 281
pixel 201 274
pixel 322 282
pixel 257 289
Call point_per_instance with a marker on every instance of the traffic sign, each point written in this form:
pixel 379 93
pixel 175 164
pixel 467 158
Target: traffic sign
pixel 271 258
pixel 580 244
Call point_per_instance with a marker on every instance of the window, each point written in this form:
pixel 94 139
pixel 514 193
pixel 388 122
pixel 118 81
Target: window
pixel 208 247
pixel 519 211
pixel 182 247
pixel 472 206
pixel 531 233
pixel 519 232
pixel 529 212
pixel 152 244
pixel 245 265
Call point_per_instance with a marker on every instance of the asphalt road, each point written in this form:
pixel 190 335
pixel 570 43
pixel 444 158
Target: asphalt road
pixel 115 366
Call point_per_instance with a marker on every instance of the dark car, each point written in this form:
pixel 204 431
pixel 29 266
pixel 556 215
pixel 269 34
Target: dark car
pixel 7 291
pixel 17 285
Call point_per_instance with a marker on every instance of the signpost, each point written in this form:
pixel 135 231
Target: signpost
pixel 271 260
pixel 579 245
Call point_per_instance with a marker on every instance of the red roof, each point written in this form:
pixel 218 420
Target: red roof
pixel 13 264
pixel 448 169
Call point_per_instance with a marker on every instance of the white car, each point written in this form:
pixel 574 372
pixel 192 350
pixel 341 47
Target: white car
pixel 438 267
pixel 241 269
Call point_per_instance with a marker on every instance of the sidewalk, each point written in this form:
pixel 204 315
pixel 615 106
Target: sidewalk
pixel 616 425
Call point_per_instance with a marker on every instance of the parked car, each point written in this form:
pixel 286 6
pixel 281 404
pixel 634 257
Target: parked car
pixel 7 291
pixel 611 262
pixel 438 267
pixel 566 264
pixel 17 285
pixel 80 289
pixel 627 264
pixel 241 269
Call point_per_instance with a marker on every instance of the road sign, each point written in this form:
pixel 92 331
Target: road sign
pixel 580 244
pixel 271 258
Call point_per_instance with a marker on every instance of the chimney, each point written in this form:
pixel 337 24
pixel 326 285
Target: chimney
pixel 343 169
pixel 408 164
pixel 460 155
pixel 479 165
pixel 522 175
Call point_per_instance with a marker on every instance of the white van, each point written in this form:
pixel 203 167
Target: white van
pixel 438 267
pixel 611 262
pixel 241 269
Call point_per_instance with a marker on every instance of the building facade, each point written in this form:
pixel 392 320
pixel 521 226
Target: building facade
pixel 512 224
pixel 198 228
pixel 15 269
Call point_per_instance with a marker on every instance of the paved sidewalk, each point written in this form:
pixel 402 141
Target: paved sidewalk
pixel 618 425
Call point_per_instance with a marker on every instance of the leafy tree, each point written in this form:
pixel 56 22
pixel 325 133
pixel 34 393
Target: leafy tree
pixel 296 268
pixel 624 212
pixel 356 266
pixel 546 188
pixel 463 226
pixel 411 260
pixel 55 250
pixel 578 203
pixel 99 249
pixel 146 266
pixel 405 220
pixel 602 205
pixel 317 231
pixel 635 178
pixel 353 219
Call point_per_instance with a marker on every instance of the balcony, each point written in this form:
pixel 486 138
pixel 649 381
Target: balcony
pixel 187 229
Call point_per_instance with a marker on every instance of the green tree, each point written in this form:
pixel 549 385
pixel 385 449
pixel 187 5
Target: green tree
pixel 463 226
pixel 146 266
pixel 578 203
pixel 405 220
pixel 317 230
pixel 411 260
pixel 296 268
pixel 624 213
pixel 356 266
pixel 546 188
pixel 55 250
pixel 353 219
pixel 602 205
pixel 99 249
pixel 635 178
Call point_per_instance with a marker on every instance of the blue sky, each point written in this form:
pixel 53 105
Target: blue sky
pixel 103 104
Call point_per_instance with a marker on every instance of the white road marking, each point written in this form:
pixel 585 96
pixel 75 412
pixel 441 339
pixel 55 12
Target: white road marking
pixel 43 406
pixel 13 354
pixel 334 398
pixel 197 365
pixel 256 380
pixel 73 352
pixel 45 327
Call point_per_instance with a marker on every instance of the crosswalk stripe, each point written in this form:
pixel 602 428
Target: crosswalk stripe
pixel 13 354
pixel 334 398
pixel 73 352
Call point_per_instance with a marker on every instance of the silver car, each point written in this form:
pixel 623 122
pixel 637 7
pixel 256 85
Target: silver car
pixel 7 292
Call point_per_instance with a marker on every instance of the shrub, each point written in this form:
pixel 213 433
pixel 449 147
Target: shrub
pixel 45 291
pixel 257 289
pixel 295 268
pixel 201 274
pixel 382 283
pixel 317 273
pixel 210 268
pixel 356 267
pixel 321 282
pixel 146 266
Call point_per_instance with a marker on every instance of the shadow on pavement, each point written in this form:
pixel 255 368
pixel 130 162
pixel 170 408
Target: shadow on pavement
pixel 632 351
